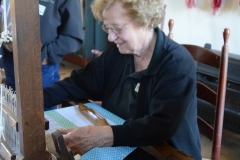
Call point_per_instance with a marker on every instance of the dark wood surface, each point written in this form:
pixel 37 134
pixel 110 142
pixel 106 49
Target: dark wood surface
pixel 75 59
pixel 27 66
pixel 204 55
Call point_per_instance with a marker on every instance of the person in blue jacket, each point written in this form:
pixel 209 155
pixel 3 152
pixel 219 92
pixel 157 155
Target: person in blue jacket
pixel 144 77
pixel 61 33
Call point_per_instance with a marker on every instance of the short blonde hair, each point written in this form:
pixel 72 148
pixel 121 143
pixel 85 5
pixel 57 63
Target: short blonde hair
pixel 145 12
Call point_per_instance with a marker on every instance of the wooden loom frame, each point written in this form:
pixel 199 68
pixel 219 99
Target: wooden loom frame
pixel 27 68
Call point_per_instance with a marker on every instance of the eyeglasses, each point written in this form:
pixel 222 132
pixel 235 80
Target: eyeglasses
pixel 116 30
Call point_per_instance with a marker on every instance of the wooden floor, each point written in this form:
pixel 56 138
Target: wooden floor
pixel 66 69
pixel 230 149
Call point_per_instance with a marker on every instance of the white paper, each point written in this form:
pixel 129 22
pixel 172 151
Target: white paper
pixel 75 116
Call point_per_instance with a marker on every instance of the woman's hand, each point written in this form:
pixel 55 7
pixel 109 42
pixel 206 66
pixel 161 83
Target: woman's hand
pixel 97 52
pixel 82 139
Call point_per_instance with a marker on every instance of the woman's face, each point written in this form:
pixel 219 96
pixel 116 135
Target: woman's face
pixel 129 37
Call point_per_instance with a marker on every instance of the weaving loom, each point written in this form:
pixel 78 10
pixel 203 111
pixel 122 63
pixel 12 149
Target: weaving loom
pixel 22 115
pixel 9 140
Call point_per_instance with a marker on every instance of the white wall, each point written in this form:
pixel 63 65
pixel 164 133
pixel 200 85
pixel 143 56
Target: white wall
pixel 199 26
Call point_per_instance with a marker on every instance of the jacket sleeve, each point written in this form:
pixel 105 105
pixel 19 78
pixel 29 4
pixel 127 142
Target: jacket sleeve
pixel 70 32
pixel 87 83
pixel 81 85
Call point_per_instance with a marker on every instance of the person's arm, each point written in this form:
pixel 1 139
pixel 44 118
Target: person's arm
pixel 87 83
pixel 80 86
pixel 70 33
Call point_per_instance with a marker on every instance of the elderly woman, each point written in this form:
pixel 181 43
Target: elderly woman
pixel 144 77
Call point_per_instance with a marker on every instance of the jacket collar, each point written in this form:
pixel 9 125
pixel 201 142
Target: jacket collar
pixel 157 54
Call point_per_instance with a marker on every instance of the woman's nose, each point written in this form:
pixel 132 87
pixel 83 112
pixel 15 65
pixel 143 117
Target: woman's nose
pixel 111 36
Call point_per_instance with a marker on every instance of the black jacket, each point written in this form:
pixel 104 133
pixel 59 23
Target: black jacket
pixel 163 109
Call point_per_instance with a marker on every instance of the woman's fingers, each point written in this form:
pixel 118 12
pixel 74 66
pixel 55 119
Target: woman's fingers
pixel 97 52
pixel 65 131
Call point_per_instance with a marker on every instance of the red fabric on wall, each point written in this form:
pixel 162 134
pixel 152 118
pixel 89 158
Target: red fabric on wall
pixel 216 4
pixel 190 3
